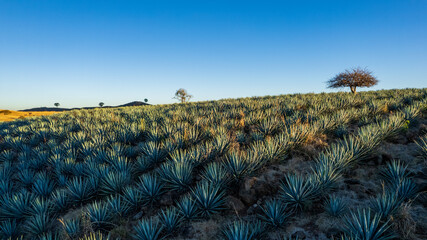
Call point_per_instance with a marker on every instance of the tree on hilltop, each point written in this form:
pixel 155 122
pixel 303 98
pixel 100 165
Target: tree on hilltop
pixel 56 104
pixel 182 95
pixel 353 78
pixel 101 104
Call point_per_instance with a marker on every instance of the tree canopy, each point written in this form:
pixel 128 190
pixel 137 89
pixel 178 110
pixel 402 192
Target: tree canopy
pixel 182 95
pixel 353 78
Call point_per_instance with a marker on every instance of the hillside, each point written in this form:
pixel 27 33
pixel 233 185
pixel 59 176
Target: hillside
pixel 303 166
pixel 55 109
pixel 9 115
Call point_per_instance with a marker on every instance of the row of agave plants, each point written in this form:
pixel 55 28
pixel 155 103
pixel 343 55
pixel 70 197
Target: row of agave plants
pixel 114 163
pixel 298 192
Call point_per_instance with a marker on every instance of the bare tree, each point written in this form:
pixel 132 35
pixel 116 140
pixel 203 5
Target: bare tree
pixel 182 95
pixel 56 104
pixel 353 78
pixel 101 104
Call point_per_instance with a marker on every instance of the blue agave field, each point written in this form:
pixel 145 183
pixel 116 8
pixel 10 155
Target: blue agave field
pixel 203 170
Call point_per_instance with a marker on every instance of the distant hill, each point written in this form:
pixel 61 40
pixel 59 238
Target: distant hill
pixel 54 109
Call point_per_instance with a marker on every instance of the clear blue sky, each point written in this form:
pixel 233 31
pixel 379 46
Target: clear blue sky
pixel 81 52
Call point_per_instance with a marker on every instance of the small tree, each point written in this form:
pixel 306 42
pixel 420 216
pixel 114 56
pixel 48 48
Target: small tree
pixel 101 104
pixel 145 100
pixel 182 95
pixel 353 78
pixel 56 104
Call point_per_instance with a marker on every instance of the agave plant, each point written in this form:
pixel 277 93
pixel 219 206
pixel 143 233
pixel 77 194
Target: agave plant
pixel 99 215
pixel 395 172
pixel 95 236
pixel 386 204
pixel 50 236
pixel 221 145
pixel 133 197
pixel 392 125
pixel 422 146
pixel 7 156
pixel 60 200
pixel 209 198
pixel 153 152
pixel 335 206
pixel 141 165
pixel 405 189
pixel 216 174
pixel 17 206
pixel 115 182
pixel 121 164
pixel 80 190
pixel 170 219
pixel 118 206
pixel 147 229
pixel 359 148
pixel 187 207
pixel 268 126
pixel 41 206
pixel 275 213
pixel 38 225
pixel 325 176
pixel 6 187
pixel 240 230
pixel 238 166
pixel 362 224
pixel 151 189
pixel 411 112
pixel 298 192
pixel 72 227
pixel 43 186
pixel 26 177
pixel 177 175
pixel 9 230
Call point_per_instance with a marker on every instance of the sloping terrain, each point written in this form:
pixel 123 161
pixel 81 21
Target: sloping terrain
pixel 302 166
pixel 9 115
pixel 58 109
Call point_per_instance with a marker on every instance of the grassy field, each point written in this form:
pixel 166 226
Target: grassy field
pixel 9 115
pixel 302 166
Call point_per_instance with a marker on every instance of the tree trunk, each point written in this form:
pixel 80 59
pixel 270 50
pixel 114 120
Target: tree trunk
pixel 353 90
